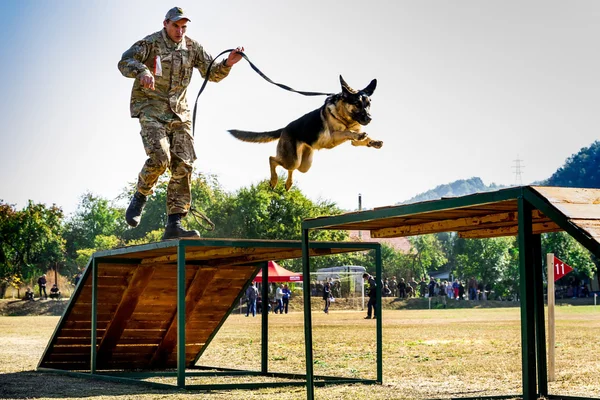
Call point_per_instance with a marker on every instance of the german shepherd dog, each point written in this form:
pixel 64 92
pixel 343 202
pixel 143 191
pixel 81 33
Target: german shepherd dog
pixel 335 122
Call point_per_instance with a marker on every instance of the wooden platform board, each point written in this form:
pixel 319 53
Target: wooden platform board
pixel 482 215
pixel 137 301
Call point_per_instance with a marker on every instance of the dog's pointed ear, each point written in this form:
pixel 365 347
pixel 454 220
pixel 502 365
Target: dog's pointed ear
pixel 346 89
pixel 371 88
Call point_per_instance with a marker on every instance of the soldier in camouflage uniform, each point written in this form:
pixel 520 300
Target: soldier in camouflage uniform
pixel 162 65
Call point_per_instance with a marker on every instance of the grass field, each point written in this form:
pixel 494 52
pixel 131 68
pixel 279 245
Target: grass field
pixel 427 354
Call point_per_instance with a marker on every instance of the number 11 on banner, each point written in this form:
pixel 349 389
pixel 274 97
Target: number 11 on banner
pixel 560 269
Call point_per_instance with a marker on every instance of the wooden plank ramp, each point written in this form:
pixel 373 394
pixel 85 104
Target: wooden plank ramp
pixel 137 310
pixel 136 316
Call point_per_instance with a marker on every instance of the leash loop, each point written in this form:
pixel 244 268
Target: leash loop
pixel 207 224
pixel 259 72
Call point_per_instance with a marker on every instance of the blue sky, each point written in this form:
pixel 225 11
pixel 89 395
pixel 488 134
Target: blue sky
pixel 465 87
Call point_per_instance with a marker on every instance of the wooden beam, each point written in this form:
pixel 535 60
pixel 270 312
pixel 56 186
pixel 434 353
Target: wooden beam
pixel 538 228
pixel 452 225
pixel 194 293
pixel 194 253
pixel 138 283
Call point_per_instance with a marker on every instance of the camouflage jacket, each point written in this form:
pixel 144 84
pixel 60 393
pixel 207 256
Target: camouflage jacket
pixel 177 61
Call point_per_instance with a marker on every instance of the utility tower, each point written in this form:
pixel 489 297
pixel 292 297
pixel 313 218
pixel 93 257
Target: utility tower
pixel 518 168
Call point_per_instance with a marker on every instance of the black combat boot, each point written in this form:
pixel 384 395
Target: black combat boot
pixel 174 230
pixel 133 215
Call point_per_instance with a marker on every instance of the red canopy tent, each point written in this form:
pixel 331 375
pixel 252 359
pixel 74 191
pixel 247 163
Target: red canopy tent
pixel 279 274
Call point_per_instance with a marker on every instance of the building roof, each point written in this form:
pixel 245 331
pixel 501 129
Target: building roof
pixel 397 243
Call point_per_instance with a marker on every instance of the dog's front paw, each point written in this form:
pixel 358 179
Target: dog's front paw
pixel 375 143
pixel 361 136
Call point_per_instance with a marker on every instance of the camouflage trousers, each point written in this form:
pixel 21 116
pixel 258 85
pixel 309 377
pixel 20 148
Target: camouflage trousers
pixel 168 145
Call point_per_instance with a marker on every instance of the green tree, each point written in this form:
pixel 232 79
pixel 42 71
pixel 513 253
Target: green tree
pixel 579 170
pixel 570 251
pixel 207 193
pixel 429 254
pixel 30 241
pixel 259 212
pixel 488 260
pixel 94 216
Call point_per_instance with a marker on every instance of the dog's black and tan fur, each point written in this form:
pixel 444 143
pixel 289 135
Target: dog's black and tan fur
pixel 334 123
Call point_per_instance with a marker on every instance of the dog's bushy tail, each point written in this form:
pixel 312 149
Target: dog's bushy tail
pixel 256 137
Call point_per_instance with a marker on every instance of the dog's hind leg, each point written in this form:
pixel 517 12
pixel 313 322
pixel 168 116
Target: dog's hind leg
pixel 307 157
pixel 289 182
pixel 273 163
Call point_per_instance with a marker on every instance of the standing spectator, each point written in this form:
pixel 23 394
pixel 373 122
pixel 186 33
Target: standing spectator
pixel 259 305
pixel 251 296
pixel 461 290
pixel 481 291
pixel 327 296
pixel 443 288
pixel 372 296
pixel 287 293
pixel 279 299
pixel 585 291
pixel 455 288
pixel 387 292
pixel 575 286
pixel 422 287
pixel 77 278
pixel 472 286
pixel 413 284
pixel 488 291
pixel 394 286
pixel 401 288
pixel 336 289
pixel 42 286
pixel 431 287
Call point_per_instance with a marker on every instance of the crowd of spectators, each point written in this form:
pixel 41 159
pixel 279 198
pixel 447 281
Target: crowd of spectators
pixel 432 287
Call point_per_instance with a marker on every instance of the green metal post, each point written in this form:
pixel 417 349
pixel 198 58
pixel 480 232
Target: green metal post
pixel 308 342
pixel 93 332
pixel 264 348
pixel 526 282
pixel 181 315
pixel 378 313
pixel 540 323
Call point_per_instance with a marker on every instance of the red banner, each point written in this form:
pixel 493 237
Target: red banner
pixel 560 269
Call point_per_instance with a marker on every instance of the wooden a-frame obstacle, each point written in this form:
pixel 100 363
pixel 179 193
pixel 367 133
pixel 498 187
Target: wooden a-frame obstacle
pixel 152 310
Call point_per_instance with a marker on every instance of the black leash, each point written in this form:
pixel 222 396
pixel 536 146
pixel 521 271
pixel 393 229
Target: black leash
pixel 258 71
pixel 207 224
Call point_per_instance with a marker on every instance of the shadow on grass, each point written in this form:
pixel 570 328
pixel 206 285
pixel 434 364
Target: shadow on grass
pixel 17 308
pixel 36 384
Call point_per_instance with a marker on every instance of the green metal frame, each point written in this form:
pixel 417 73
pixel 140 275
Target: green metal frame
pixel 308 341
pixel 533 337
pixel 182 370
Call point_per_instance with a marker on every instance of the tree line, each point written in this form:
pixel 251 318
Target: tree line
pixel 39 237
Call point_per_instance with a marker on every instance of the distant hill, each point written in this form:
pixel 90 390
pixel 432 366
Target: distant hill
pixel 580 170
pixel 461 187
